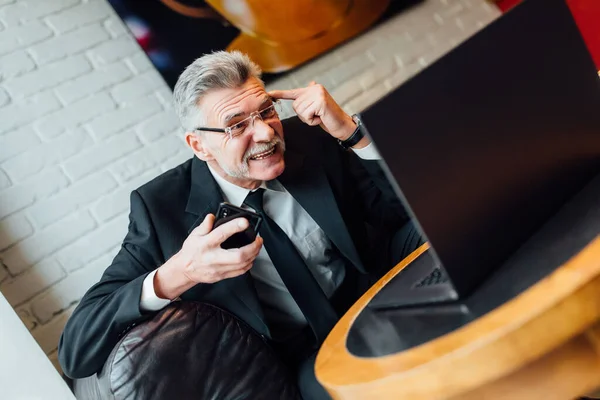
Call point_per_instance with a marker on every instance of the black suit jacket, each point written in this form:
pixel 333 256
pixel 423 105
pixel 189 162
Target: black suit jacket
pixel 342 193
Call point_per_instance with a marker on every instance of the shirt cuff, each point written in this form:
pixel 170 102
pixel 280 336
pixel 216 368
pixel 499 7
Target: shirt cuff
pixel 369 152
pixel 149 301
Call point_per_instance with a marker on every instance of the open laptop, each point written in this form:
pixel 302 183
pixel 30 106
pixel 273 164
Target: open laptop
pixel 487 144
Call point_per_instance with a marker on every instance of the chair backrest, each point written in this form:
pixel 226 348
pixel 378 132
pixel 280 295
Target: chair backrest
pixel 193 350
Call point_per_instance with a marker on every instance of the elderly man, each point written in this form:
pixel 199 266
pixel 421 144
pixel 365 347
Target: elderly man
pixel 322 206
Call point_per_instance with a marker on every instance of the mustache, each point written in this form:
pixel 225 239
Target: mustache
pixel 263 147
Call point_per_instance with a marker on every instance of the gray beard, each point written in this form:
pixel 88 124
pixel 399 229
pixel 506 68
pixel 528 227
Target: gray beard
pixel 243 170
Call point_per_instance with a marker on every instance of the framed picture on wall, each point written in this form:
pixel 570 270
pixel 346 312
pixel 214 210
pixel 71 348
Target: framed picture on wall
pixel 278 35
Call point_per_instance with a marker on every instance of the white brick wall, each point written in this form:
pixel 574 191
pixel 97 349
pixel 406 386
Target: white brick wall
pixel 22 36
pixel 85 119
pixel 47 76
pixel 15 63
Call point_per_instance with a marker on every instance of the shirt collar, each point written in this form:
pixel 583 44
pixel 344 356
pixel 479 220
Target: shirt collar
pixel 235 194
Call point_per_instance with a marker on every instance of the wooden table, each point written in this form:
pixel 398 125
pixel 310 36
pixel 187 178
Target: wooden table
pixel 542 344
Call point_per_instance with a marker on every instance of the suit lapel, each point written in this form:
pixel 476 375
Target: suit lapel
pixel 307 182
pixel 205 197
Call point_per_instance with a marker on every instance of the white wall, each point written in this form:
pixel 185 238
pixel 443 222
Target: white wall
pixel 85 119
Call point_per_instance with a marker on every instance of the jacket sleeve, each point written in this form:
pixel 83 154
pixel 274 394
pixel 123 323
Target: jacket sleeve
pixel 112 306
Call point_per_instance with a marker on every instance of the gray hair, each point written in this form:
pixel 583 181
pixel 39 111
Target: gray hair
pixel 218 70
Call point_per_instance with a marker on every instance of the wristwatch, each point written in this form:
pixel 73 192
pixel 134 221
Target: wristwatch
pixel 356 135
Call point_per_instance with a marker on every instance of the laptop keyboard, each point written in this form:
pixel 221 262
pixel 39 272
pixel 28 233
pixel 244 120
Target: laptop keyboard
pixel 436 277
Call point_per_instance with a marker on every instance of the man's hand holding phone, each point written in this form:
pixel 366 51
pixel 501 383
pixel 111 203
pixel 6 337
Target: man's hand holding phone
pixel 206 262
pixel 202 260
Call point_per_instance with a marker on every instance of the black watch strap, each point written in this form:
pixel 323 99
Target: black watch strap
pixel 356 136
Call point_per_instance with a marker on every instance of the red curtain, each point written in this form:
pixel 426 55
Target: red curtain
pixel 587 17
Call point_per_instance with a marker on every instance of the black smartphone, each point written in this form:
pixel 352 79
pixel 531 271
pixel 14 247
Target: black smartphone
pixel 227 212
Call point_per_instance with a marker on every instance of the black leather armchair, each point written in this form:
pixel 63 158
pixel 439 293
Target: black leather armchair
pixel 190 351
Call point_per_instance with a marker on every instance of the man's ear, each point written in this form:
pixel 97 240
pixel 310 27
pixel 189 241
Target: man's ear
pixel 196 143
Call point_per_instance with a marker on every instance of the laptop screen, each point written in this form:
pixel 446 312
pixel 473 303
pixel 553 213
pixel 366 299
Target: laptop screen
pixel 490 141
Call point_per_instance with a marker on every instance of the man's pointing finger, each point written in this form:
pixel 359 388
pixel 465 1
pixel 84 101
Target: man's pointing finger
pixel 291 94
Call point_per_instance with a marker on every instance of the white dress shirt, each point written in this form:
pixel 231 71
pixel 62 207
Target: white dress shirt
pixel 308 238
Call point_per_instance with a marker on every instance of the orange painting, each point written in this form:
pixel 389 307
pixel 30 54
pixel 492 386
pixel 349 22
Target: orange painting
pixel 277 35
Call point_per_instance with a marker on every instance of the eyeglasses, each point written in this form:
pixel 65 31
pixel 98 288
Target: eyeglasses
pixel 239 128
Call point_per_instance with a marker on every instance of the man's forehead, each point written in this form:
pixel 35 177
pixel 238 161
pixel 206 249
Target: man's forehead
pixel 225 103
